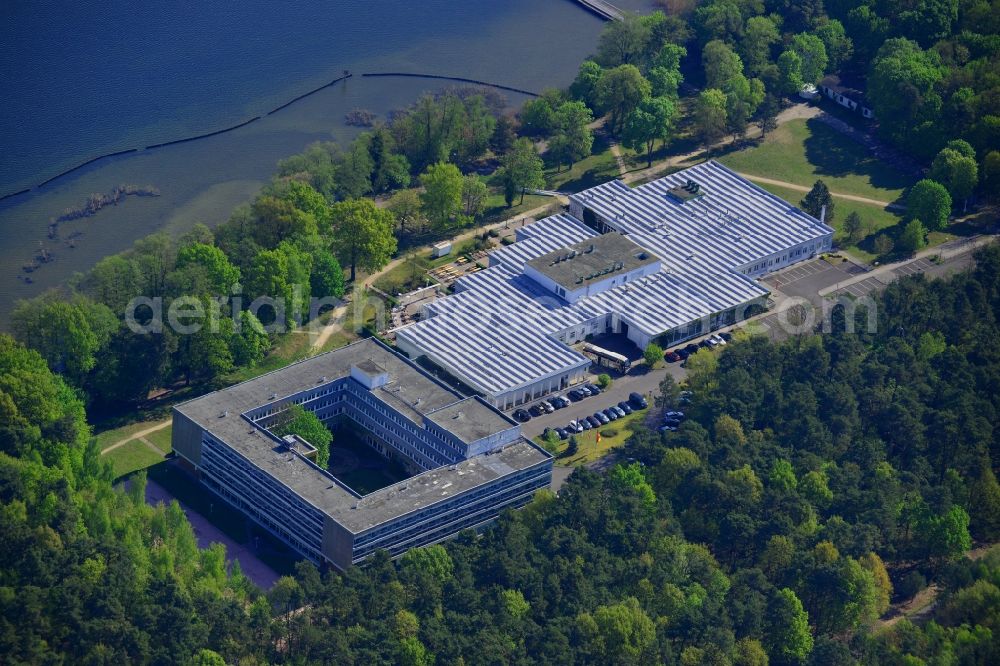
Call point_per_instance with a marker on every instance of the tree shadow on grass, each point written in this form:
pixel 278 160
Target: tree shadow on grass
pixel 834 154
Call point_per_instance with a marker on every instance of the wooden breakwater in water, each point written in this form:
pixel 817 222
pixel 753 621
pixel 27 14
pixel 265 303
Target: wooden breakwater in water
pixel 458 79
pixel 154 146
pixel 287 104
pixel 80 166
pixel 203 136
pixel 344 77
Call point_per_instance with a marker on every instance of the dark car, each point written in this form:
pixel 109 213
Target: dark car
pixel 691 349
pixel 682 354
pixel 593 421
pixel 703 343
pixel 728 337
pixel 637 400
pixel 671 422
pixel 522 415
pixel 576 395
pixel 535 410
pixel 625 407
pixel 585 424
pixel 593 388
pixel 602 417
pixel 562 433
pixel 672 357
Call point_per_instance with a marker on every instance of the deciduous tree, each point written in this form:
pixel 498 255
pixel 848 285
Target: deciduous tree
pixel 651 121
pixel 442 195
pixel 362 234
pixel 710 115
pixel 620 91
pixel 520 170
pixel 929 202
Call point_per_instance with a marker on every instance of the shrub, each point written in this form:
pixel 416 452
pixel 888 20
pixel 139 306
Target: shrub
pixel 609 432
pixel 604 380
pixel 883 245
pixel 653 354
pixel 911 584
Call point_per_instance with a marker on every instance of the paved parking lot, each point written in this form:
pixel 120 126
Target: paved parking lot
pixel 639 380
pixel 806 279
pixel 860 288
pixel 918 266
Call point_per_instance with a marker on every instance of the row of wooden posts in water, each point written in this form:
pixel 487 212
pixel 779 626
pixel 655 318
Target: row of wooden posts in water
pixel 93 204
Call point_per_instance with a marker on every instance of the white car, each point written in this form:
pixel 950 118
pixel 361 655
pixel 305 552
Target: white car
pixel 717 339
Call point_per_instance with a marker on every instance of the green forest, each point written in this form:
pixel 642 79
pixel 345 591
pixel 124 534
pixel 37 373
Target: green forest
pixel 816 482
pixel 832 475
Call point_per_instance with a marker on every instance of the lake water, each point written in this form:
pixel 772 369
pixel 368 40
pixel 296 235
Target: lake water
pixel 88 78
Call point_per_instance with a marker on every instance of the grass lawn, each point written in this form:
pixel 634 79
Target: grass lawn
pixel 161 439
pixel 803 151
pixel 594 170
pixel 410 275
pixel 875 220
pixel 589 449
pixel 109 437
pixel 289 348
pixel 134 455
pixel 496 208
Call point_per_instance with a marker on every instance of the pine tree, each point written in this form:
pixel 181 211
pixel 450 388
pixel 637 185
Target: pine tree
pixel 818 197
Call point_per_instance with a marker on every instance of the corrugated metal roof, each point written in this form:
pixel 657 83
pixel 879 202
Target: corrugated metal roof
pixel 496 332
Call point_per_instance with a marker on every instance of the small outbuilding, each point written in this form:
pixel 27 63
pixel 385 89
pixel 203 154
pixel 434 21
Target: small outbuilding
pixel 441 249
pixel 846 95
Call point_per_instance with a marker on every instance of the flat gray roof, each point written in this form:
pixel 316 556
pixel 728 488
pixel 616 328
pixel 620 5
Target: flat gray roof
pixel 594 259
pixel 437 485
pixel 409 390
pixel 471 420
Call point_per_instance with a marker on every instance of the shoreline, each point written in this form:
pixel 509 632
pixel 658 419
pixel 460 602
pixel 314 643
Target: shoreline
pixel 197 137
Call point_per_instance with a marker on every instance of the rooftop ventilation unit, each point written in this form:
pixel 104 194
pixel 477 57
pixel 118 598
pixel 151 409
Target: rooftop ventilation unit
pixel 686 192
pixel 274 396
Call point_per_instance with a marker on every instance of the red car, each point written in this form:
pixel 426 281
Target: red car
pixel 672 356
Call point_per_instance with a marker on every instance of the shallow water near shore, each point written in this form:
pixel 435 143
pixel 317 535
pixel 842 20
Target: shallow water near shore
pixel 94 78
